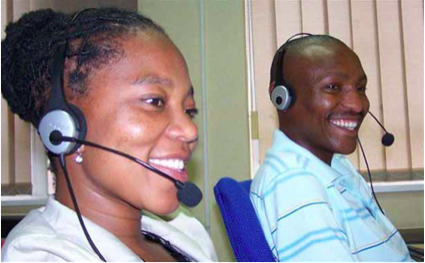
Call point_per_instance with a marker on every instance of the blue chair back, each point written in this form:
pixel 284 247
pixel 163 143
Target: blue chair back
pixel 243 228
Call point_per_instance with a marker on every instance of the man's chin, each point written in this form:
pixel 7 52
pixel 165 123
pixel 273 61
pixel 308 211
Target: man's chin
pixel 346 148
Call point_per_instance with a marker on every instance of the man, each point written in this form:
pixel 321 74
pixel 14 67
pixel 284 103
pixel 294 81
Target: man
pixel 311 202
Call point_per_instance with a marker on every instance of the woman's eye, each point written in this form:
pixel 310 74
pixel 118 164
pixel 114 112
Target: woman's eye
pixel 192 113
pixel 157 102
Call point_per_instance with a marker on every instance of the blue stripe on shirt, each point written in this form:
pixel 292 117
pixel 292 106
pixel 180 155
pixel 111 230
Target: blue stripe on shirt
pixel 312 242
pixel 311 234
pixel 278 160
pixel 297 209
pixel 377 244
pixel 280 180
pixel 256 195
pixel 272 166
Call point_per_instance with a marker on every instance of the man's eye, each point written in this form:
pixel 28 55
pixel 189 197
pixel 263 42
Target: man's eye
pixel 192 113
pixel 332 88
pixel 362 89
pixel 157 102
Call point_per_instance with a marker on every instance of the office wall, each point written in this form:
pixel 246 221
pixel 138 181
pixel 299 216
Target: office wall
pixel 211 36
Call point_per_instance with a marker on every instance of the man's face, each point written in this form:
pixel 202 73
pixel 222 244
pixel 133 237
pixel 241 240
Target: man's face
pixel 329 84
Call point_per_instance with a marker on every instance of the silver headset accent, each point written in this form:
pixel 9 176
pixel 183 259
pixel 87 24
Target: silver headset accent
pixel 58 120
pixel 281 97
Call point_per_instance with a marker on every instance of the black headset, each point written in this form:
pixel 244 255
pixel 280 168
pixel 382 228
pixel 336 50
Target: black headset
pixel 60 115
pixel 282 94
pixel 67 120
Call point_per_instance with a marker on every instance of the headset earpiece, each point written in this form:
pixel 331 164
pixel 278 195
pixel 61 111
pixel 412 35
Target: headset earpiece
pixel 62 121
pixel 282 97
pixel 60 115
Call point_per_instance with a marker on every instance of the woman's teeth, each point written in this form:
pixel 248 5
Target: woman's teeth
pixel 349 125
pixel 170 163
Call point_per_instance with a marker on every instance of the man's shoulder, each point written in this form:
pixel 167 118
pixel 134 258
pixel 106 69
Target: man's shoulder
pixel 287 180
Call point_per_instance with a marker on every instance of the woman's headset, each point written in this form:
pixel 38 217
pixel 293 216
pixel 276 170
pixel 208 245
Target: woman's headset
pixel 282 94
pixel 59 115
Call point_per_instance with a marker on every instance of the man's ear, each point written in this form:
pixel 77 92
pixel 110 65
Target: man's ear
pixel 271 87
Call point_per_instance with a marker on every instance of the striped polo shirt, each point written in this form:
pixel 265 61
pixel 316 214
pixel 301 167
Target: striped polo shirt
pixel 311 211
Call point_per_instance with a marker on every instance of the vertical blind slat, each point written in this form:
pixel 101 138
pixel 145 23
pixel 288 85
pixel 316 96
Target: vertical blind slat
pixel 393 95
pixel 366 47
pixel 7 167
pixel 288 20
pixel 264 42
pixel 22 146
pixel 413 43
pixel 313 16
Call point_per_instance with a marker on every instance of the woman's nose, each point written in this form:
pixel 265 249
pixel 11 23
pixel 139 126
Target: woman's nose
pixel 183 128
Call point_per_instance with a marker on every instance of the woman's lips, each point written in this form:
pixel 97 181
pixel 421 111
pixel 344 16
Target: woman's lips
pixel 175 168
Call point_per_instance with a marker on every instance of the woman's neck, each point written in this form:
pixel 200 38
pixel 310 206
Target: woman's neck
pixel 114 215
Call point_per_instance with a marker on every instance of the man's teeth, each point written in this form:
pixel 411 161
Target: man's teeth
pixel 170 163
pixel 349 125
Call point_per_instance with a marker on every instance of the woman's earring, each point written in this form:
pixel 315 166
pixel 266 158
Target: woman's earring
pixel 79 158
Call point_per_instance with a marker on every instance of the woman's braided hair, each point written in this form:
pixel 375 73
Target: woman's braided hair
pixel 31 43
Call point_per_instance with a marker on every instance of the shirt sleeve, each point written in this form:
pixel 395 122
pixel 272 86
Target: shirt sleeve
pixel 300 221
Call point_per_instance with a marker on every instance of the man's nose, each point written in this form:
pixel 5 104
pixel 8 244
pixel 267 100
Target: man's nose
pixel 354 101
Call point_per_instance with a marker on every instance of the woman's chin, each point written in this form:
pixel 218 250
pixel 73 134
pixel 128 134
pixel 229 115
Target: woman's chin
pixel 164 208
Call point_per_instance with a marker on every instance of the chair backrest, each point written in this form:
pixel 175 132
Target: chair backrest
pixel 243 228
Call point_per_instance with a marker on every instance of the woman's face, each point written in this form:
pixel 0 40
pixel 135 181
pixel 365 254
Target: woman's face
pixel 142 105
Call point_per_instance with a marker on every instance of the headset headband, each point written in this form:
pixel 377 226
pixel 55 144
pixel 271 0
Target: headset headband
pixel 276 72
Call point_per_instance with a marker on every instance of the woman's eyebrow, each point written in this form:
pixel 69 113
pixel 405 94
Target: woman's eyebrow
pixel 164 82
pixel 153 80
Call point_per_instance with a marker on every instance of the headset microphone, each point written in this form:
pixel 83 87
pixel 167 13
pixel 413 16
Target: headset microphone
pixel 388 138
pixel 187 193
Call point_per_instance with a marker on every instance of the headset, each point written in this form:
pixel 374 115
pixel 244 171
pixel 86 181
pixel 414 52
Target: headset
pixel 282 94
pixel 63 130
pixel 59 114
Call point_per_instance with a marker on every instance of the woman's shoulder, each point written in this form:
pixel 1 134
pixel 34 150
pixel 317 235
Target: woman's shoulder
pixel 36 239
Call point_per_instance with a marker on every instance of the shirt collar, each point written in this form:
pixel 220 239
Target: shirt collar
pixel 328 174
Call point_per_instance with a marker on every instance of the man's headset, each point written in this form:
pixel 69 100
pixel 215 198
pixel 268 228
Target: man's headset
pixel 282 94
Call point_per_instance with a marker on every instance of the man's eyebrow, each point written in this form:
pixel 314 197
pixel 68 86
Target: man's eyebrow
pixel 153 80
pixel 345 75
pixel 363 78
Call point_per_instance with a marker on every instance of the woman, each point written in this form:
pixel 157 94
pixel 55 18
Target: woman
pixel 132 85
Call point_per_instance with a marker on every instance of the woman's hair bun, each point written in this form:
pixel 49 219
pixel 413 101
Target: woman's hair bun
pixel 26 53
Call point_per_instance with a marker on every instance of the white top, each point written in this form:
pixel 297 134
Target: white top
pixel 53 233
